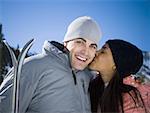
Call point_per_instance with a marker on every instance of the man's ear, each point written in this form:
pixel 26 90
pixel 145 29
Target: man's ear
pixel 65 44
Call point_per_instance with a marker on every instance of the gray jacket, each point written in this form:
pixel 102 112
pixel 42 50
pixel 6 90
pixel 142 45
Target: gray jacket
pixel 49 85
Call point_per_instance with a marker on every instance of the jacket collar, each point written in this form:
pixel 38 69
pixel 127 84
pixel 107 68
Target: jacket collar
pixel 54 47
pixel 60 46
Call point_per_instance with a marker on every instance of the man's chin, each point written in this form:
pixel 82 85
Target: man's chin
pixel 79 67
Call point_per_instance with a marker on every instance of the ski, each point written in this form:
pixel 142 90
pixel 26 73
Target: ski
pixel 17 64
pixel 12 55
pixel 17 74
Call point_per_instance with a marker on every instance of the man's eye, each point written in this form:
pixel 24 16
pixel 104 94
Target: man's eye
pixel 94 47
pixel 80 42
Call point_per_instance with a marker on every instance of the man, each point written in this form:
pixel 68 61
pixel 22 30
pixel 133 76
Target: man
pixel 56 81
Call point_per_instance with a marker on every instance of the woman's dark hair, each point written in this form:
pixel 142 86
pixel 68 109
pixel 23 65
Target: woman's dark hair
pixel 109 99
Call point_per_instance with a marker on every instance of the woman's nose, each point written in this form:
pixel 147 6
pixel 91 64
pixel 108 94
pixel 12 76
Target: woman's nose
pixel 96 53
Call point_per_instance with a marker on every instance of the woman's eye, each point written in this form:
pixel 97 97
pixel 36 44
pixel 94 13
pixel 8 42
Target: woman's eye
pixel 104 47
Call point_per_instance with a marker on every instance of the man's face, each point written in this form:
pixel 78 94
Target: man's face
pixel 82 52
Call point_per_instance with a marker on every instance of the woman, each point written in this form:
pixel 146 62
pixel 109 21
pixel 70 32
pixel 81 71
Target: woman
pixel 116 60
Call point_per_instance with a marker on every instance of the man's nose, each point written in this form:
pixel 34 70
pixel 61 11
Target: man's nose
pixel 85 50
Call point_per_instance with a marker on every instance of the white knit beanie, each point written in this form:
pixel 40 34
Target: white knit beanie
pixel 84 27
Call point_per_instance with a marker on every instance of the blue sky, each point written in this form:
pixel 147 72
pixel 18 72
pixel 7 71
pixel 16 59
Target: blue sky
pixel 48 20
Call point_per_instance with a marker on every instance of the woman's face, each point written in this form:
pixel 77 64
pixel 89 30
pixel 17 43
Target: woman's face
pixel 104 63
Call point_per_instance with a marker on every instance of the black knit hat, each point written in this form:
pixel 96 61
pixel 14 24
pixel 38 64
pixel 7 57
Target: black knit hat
pixel 127 57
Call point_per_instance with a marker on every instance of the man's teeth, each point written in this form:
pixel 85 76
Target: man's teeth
pixel 81 58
